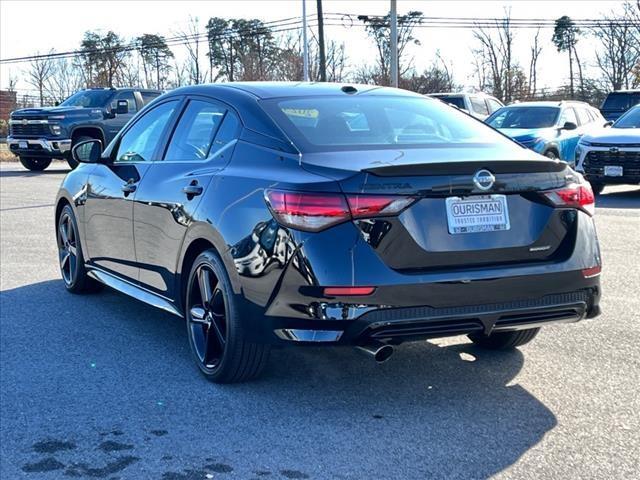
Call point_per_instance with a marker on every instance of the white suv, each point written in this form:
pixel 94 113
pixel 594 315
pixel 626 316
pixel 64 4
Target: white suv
pixel 480 105
pixel 612 155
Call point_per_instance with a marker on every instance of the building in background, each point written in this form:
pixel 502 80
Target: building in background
pixel 8 102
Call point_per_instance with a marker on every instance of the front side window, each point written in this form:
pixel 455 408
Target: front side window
pixel 631 119
pixel 621 101
pixel 148 96
pixel 493 104
pixel 128 96
pixel 583 115
pixel 195 132
pixel 140 142
pixel 524 117
pixel 568 115
pixel 478 105
pixel 358 122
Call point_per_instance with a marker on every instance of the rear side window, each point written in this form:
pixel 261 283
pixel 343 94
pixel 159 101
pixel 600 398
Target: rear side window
pixel 194 134
pixel 455 101
pixel 227 132
pixel 327 123
pixel 148 96
pixel 478 105
pixel 493 104
pixel 621 101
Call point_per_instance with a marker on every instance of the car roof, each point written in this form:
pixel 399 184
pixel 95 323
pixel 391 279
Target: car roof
pixel 264 90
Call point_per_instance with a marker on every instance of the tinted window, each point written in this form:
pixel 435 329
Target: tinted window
pixel 195 132
pixel 89 98
pixel 524 117
pixel 128 96
pixel 455 101
pixel 148 96
pixel 621 101
pixel 631 119
pixel 568 115
pixel 228 131
pixel 478 105
pixel 493 104
pixel 358 122
pixel 140 142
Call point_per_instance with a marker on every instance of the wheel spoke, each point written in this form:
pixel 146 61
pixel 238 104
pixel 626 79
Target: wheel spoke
pixel 198 315
pixel 212 347
pixel 72 250
pixel 204 282
pixel 218 328
pixel 64 238
pixel 64 258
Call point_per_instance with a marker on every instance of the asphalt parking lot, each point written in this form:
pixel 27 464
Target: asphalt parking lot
pixel 102 386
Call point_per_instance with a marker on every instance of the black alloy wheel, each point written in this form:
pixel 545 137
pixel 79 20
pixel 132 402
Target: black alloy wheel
pixel 217 336
pixel 35 164
pixel 67 248
pixel 74 273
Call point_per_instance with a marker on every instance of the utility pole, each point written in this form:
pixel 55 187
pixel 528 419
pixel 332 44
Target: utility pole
pixel 394 44
pixel 305 49
pixel 323 60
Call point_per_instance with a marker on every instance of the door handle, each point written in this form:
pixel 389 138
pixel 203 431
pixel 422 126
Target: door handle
pixel 128 188
pixel 192 190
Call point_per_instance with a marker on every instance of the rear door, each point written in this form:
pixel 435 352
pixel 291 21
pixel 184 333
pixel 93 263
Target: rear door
pixel 201 145
pixel 568 139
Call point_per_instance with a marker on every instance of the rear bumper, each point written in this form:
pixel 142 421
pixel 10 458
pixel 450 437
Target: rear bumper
pixel 39 147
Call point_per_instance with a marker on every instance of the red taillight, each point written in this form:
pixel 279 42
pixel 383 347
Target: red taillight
pixel 317 211
pixel 348 291
pixel 576 196
pixel 592 272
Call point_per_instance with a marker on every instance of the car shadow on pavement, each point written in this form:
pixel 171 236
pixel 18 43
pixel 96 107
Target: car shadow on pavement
pixel 27 173
pixel 106 384
pixel 619 199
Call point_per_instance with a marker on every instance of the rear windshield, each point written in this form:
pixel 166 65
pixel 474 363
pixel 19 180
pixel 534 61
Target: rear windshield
pixel 524 117
pixel 374 122
pixel 631 119
pixel 89 99
pixel 621 101
pixel 455 101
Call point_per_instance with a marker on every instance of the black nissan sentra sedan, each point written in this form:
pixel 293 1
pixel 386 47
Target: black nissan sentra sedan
pixel 271 214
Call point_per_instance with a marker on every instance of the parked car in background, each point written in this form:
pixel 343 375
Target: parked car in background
pixel 549 128
pixel 619 102
pixel 612 155
pixel 39 135
pixel 325 214
pixel 480 105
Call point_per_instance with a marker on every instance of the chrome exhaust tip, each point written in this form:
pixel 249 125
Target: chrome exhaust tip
pixel 381 352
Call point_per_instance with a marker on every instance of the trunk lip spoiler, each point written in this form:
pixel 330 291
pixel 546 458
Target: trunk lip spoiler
pixel 469 168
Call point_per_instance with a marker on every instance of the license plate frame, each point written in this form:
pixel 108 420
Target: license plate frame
pixel 23 145
pixel 477 214
pixel 613 170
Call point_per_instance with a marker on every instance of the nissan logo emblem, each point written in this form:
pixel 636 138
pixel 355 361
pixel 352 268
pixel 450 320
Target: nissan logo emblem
pixel 483 179
pixel 614 149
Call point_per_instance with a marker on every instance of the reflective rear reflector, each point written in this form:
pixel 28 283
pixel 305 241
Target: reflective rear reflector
pixel 347 291
pixel 592 272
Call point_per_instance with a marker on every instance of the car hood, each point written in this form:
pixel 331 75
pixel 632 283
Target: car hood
pixel 614 135
pixel 51 111
pixel 528 134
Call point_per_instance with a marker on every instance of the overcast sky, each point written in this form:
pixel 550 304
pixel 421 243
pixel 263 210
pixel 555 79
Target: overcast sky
pixel 28 27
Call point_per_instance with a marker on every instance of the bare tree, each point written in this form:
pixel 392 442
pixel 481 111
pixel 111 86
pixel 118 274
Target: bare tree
pixel 536 49
pixel 66 80
pixel 496 55
pixel 40 71
pixel 619 52
pixel 191 39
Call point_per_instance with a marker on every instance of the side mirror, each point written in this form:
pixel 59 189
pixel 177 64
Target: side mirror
pixel 57 103
pixel 88 151
pixel 122 107
pixel 569 126
pixel 608 124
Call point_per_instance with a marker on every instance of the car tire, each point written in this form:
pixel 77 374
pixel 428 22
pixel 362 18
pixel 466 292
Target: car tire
pixel 504 340
pixel 35 164
pixel 597 188
pixel 71 259
pixel 70 160
pixel 217 335
pixel 551 154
